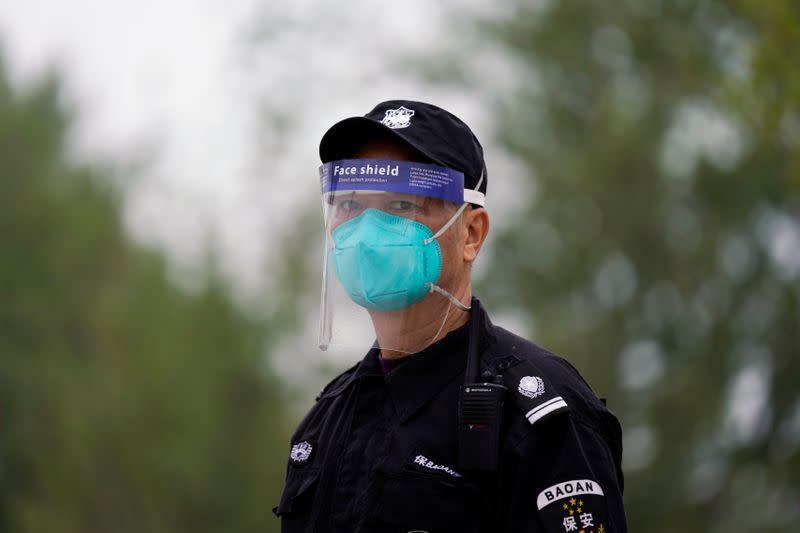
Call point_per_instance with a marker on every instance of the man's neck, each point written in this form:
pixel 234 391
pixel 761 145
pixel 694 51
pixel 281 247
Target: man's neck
pixel 413 330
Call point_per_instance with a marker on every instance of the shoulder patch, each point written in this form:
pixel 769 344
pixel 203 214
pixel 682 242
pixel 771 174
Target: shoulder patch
pixel 531 386
pixel 578 505
pixel 301 452
pixel 536 398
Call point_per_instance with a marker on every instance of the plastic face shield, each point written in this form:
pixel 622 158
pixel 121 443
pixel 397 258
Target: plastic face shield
pixel 390 254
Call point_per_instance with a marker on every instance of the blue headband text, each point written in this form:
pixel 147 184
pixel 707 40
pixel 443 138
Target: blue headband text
pixel 392 176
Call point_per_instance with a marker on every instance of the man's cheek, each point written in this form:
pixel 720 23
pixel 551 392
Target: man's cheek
pixel 451 259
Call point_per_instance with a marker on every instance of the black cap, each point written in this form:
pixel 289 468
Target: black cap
pixel 437 134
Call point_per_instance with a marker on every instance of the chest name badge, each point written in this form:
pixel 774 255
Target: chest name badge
pixel 301 452
pixel 423 463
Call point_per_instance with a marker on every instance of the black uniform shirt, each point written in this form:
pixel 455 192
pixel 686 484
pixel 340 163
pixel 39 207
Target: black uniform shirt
pixel 379 452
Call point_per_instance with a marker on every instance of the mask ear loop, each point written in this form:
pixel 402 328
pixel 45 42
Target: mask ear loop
pixel 453 299
pixel 447 225
pixel 441 327
pixel 435 288
pixel 452 219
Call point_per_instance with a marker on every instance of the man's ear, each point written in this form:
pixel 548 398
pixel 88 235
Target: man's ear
pixel 476 227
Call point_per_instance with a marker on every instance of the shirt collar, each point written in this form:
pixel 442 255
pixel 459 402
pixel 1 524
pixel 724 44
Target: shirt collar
pixel 387 365
pixel 426 373
pixel 415 382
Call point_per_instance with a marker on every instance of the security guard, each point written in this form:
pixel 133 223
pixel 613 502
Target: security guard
pixel 449 423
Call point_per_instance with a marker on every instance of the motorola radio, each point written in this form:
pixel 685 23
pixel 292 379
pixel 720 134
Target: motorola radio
pixel 480 409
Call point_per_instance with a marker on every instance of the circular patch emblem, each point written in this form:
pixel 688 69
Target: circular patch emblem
pixel 301 452
pixel 531 386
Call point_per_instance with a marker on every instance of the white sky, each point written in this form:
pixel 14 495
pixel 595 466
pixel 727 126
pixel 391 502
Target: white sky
pixel 215 108
pixel 189 88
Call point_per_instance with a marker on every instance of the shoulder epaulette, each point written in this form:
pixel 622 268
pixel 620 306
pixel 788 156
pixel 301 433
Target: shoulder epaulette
pixel 531 390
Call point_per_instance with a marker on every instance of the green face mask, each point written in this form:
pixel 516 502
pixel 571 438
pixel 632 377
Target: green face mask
pixel 386 262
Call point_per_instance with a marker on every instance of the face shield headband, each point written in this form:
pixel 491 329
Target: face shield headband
pixel 347 175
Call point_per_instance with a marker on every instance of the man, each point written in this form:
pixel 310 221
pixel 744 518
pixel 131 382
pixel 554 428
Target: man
pixel 449 423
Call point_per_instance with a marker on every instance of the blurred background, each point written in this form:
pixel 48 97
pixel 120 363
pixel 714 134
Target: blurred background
pixel 161 238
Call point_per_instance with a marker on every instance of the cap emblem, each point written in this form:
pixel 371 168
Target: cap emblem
pixel 398 118
pixel 531 386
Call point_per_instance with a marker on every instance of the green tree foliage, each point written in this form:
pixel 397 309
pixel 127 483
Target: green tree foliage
pixel 125 403
pixel 661 251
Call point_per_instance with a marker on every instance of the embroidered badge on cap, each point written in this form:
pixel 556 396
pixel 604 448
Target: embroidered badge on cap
pixel 301 452
pixel 398 118
pixel 579 506
pixel 531 386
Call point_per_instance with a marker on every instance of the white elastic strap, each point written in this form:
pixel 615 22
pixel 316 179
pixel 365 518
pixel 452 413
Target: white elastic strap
pixel 444 321
pixel 476 196
pixel 453 300
pixel 447 225
pixel 469 197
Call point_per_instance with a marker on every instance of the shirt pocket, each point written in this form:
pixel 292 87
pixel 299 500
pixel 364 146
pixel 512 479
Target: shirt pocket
pixel 296 502
pixel 418 502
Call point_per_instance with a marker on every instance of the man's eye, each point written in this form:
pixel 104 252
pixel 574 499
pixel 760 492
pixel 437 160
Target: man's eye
pixel 402 205
pixel 348 205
